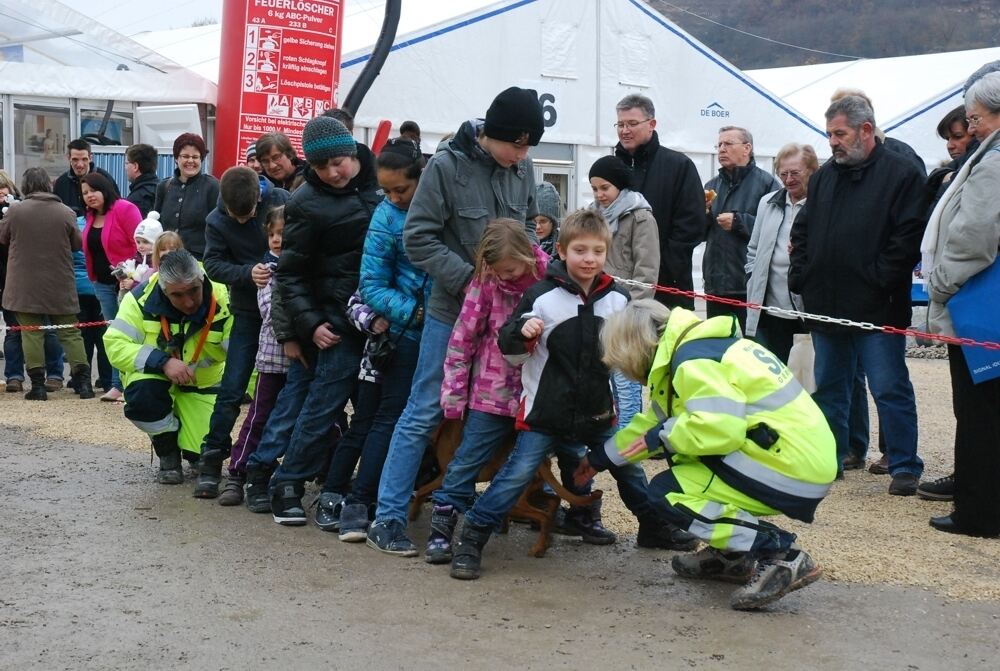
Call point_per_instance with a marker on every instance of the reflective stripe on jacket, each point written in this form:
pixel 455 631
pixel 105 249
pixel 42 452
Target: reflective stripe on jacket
pixel 737 409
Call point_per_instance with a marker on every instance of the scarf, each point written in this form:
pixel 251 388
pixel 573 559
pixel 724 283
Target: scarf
pixel 627 201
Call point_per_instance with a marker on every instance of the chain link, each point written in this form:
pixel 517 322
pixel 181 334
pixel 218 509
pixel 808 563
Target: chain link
pixel 54 327
pixel 796 314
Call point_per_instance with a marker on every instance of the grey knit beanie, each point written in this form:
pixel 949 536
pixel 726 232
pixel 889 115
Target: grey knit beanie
pixel 324 138
pixel 548 202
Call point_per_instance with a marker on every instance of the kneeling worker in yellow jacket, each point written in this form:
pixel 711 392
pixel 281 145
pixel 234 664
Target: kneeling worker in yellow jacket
pixel 169 341
pixel 744 439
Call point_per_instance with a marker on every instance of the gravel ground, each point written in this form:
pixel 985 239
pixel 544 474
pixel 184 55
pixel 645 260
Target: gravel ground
pixel 861 535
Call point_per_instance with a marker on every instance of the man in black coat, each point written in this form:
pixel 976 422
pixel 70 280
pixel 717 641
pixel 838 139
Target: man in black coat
pixel 140 168
pixel 854 246
pixel 67 185
pixel 670 183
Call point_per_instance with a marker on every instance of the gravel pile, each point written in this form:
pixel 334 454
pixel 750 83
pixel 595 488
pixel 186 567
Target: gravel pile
pixel 861 534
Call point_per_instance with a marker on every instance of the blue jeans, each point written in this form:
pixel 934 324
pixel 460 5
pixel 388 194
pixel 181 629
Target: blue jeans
pixel 107 294
pixel 482 435
pixel 628 397
pixel 278 430
pixel 240 356
pixel 416 425
pixel 13 354
pixel 882 357
pixel 378 410
pixel 333 383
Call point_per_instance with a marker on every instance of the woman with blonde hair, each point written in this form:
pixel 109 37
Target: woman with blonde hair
pixel 745 441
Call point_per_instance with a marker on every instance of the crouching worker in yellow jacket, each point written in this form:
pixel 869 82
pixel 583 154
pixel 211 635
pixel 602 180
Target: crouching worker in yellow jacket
pixel 744 439
pixel 169 341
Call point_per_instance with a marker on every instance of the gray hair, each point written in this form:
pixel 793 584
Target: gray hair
pixel 179 267
pixel 744 133
pixel 854 108
pixel 635 100
pixel 985 92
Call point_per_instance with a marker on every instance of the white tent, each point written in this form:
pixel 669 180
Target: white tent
pixel 911 94
pixel 582 56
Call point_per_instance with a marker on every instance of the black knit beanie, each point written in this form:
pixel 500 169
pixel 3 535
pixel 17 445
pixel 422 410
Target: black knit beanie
pixel 515 113
pixel 612 169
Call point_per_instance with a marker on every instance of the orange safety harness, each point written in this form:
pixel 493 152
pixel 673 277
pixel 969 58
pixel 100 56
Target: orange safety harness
pixel 165 326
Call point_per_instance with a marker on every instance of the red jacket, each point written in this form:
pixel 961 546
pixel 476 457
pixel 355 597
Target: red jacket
pixel 117 236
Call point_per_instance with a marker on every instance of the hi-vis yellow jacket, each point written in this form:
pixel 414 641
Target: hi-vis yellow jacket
pixel 732 405
pixel 137 346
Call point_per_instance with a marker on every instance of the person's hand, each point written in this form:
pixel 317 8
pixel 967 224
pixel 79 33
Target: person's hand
pixel 178 372
pixel 532 328
pixel 584 473
pixel 127 284
pixel 380 325
pixel 324 337
pixel 293 350
pixel 725 221
pixel 260 274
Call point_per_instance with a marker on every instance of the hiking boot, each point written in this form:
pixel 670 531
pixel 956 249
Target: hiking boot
pixel 443 521
pixel 774 578
pixel 258 499
pixel 53 384
pixel 904 484
pixel 586 523
pixel 207 486
pixel 354 523
pixel 711 564
pixel 166 448
pixel 232 493
pixel 657 534
pixel 468 553
pixel 853 462
pixel 80 381
pixel 286 506
pixel 37 391
pixel 389 536
pixel 328 510
pixel 880 467
pixel 15 385
pixel 942 489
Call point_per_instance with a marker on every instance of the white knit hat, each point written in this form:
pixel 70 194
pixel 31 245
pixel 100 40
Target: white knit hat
pixel 149 229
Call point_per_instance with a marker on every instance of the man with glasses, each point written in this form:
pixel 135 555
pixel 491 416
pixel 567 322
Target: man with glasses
pixel 854 246
pixel 739 187
pixel 670 183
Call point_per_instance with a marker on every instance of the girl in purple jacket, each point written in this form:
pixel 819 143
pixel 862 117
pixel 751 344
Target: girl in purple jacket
pixel 479 384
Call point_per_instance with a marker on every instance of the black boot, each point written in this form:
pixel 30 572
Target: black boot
pixel 258 499
pixel 166 448
pixel 209 474
pixel 37 391
pixel 468 552
pixel 80 382
pixel 662 535
pixel 586 522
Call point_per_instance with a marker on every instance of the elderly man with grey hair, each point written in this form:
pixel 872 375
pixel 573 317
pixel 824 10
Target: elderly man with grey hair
pixel 854 246
pixel 669 182
pixel 169 341
pixel 738 189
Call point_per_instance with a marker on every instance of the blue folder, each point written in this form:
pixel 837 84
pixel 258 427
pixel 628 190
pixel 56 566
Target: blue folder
pixel 975 313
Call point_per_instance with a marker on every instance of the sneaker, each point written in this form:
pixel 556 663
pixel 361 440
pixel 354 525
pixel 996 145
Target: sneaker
pixel 389 536
pixel 286 506
pixel 664 536
pixel 711 564
pixel 582 522
pixel 942 489
pixel 774 578
pixel 232 493
pixel 880 467
pixel 354 523
pixel 328 511
pixel 853 462
pixel 443 521
pixel 258 499
pixel 904 484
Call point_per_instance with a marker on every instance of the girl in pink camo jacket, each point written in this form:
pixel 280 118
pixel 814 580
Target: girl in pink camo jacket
pixel 478 382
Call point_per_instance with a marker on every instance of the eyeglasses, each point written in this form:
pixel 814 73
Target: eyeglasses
pixel 794 174
pixel 974 119
pixel 631 124
pixel 189 157
pixel 727 145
